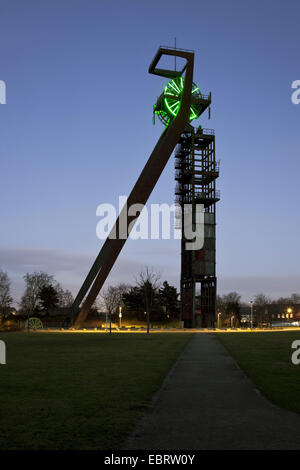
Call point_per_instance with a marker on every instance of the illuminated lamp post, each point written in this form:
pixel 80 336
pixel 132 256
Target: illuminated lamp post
pixel 251 318
pixel 120 316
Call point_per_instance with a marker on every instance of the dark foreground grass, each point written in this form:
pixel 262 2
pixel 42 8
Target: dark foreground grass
pixel 266 359
pixel 79 391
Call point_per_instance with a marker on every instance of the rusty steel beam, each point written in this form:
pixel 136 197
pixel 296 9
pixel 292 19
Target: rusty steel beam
pixel 142 189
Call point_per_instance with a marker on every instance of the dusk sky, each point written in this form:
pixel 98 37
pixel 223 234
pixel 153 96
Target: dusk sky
pixel 76 131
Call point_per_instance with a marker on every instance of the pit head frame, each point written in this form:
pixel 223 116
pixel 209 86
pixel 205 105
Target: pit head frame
pixel 141 190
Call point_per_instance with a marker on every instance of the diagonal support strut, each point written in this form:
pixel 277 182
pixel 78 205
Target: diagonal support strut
pixel 142 189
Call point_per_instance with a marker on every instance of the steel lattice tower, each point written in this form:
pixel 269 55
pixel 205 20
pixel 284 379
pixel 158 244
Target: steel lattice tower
pixel 196 171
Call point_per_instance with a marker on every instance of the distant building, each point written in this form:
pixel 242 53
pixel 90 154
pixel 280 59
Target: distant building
pixel 272 314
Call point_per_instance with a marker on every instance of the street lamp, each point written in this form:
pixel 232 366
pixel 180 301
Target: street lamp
pixel 219 314
pixel 148 321
pixel 232 317
pixel 289 312
pixel 110 322
pixel 251 305
pixel 120 315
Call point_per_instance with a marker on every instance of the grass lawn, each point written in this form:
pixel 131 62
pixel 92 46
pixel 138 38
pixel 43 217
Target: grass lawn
pixel 266 359
pixel 79 391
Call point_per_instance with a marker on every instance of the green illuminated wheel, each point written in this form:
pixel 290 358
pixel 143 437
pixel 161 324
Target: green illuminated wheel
pixel 168 104
pixel 34 324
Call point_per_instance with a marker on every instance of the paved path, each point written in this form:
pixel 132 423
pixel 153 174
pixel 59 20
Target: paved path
pixel 209 403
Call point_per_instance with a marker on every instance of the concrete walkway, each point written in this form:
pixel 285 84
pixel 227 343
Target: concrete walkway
pixel 209 403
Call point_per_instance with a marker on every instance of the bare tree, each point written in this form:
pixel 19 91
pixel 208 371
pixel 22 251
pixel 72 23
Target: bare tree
pixel 65 298
pixel 262 300
pixel 295 298
pixel 5 297
pixel 149 275
pixel 33 285
pixel 232 305
pixel 220 304
pixel 37 281
pixel 111 298
pixel 261 312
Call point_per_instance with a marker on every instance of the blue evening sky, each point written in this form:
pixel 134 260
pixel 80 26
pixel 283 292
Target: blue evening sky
pixel 77 130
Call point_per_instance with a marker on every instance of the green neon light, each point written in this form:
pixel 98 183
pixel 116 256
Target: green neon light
pixel 174 104
pixel 193 115
pixel 173 85
pixel 177 109
pixel 170 108
pixel 170 101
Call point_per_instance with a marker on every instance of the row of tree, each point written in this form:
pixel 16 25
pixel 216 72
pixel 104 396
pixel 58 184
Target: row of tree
pixel 230 305
pixel 147 297
pixel 44 294
pixel 262 300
